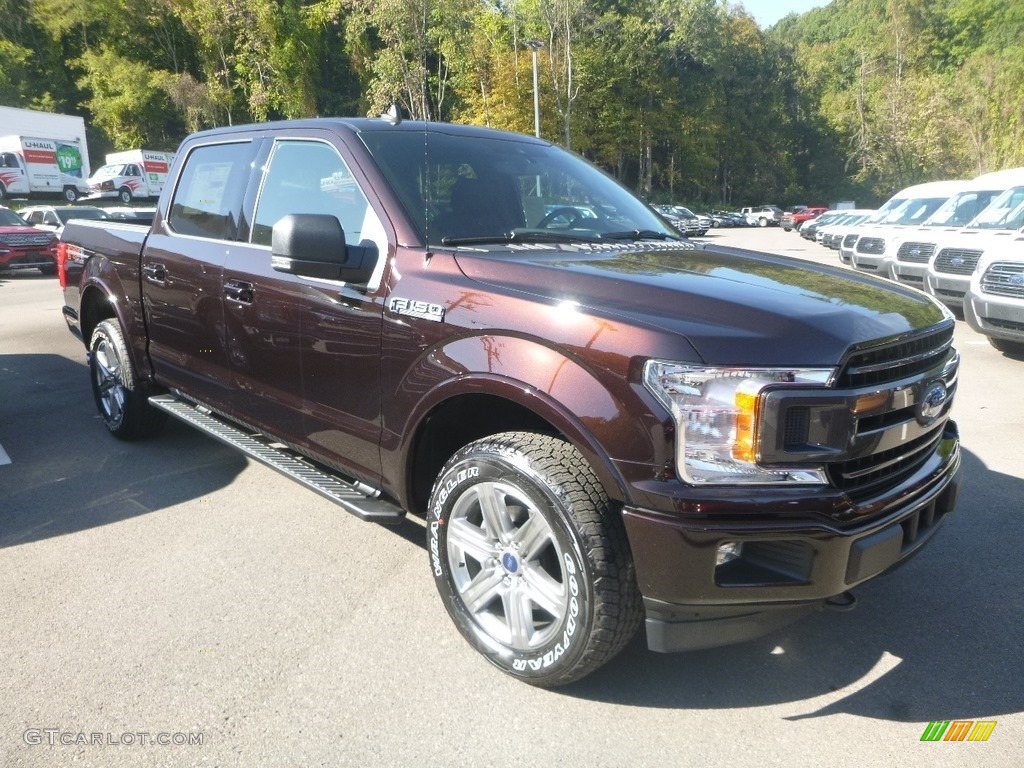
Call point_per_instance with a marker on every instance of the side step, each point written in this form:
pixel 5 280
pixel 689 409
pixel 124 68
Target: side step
pixel 299 470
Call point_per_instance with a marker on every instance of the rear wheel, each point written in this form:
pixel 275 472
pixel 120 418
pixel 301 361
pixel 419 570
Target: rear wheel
pixel 530 558
pixel 70 194
pixel 3 191
pixel 121 398
pixel 762 222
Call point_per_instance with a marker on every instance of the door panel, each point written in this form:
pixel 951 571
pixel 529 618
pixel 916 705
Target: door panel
pixel 305 354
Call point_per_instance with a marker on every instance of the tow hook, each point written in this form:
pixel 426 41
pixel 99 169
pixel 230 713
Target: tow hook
pixel 846 601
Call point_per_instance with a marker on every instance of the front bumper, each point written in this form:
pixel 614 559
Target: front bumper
pixel 786 566
pixel 949 289
pixel 998 316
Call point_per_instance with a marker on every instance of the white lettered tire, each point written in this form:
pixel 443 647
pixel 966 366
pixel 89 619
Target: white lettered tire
pixel 530 558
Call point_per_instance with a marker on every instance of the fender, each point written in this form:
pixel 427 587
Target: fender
pixel 604 417
pixel 104 282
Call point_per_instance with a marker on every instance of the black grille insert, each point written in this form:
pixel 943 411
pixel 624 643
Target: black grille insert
pixel 957 261
pixel 897 360
pixel 1004 279
pixel 915 253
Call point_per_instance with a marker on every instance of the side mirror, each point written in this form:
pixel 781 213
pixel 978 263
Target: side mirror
pixel 313 245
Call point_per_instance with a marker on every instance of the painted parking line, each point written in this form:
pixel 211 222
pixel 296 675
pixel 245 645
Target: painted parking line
pixel 4 458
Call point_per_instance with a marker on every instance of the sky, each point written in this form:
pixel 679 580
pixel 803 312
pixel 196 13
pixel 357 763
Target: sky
pixel 767 12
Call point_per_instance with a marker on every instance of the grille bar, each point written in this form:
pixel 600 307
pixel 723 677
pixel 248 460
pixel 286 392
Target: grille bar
pixel 957 261
pixel 915 253
pixel 1004 279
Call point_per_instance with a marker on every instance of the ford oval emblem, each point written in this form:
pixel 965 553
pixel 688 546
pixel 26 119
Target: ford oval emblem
pixel 1016 280
pixel 957 262
pixel 933 400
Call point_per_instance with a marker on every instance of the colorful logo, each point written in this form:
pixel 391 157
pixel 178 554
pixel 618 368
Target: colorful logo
pixel 958 730
pixel 69 160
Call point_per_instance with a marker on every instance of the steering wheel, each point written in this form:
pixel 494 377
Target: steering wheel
pixel 567 212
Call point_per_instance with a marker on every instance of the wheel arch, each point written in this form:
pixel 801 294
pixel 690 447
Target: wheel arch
pixel 483 405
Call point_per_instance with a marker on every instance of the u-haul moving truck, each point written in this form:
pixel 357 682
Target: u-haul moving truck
pixel 34 167
pixel 67 135
pixel 135 173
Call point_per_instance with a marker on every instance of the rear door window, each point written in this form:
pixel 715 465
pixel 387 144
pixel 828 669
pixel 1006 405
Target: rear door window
pixel 207 201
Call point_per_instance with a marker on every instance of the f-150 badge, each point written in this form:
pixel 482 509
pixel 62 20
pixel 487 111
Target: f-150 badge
pixel 421 309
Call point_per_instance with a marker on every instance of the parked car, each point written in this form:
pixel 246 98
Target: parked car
pixel 23 246
pixel 994 304
pixel 808 230
pixel 602 426
pixel 54 217
pixel 763 215
pixel 793 219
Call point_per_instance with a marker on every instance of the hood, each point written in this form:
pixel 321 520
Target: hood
pixel 733 306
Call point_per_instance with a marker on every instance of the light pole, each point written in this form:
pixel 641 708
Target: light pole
pixel 535 45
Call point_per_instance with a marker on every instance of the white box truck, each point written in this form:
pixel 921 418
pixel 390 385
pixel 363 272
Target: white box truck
pixel 134 173
pixel 42 154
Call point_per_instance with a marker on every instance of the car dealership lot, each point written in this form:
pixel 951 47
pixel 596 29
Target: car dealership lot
pixel 207 595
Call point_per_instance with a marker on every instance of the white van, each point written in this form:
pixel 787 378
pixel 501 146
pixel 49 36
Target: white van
pixel 957 254
pixel 38 167
pixel 918 203
pixel 135 173
pixel 908 254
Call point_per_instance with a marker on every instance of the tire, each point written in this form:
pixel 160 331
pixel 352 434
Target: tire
pixel 70 194
pixel 1006 346
pixel 762 222
pixel 552 595
pixel 125 195
pixel 787 229
pixel 121 398
pixel 49 269
pixel 3 192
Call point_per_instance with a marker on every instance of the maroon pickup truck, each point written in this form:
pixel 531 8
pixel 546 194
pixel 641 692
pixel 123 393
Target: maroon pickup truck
pixel 603 425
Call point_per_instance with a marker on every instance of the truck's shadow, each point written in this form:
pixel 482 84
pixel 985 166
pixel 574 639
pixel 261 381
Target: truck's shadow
pixel 69 475
pixel 937 639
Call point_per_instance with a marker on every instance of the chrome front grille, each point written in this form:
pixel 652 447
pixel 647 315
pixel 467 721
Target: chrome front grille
pixel 872 246
pixel 849 241
pixel 1004 278
pixel 891 442
pixel 915 253
pixel 957 261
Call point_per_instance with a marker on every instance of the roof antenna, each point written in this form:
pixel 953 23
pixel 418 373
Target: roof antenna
pixel 393 116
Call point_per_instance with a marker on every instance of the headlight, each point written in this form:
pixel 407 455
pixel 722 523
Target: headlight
pixel 718 419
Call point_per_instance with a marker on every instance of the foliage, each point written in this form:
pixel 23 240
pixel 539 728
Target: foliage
pixel 680 99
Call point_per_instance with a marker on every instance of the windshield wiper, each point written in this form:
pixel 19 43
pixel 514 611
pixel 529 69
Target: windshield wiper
pixel 519 237
pixel 638 234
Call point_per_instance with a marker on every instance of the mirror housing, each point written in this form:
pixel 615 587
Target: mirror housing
pixel 313 245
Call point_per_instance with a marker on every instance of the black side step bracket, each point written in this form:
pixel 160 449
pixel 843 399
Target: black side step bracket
pixel 327 485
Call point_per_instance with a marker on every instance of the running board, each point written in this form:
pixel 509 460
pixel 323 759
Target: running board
pixel 330 487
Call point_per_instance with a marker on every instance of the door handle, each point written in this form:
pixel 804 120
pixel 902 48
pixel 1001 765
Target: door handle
pixel 155 273
pixel 239 292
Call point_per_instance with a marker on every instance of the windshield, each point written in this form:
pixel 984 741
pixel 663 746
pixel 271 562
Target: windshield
pixel 879 216
pixel 961 208
pixel 109 171
pixel 1005 212
pixel 11 219
pixel 461 189
pixel 913 211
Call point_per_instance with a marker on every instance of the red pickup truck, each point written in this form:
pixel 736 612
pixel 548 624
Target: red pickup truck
pixel 603 425
pixel 792 219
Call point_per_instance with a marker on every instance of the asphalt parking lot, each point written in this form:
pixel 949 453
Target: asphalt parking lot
pixel 169 603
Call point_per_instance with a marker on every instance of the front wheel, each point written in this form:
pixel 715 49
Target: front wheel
pixel 530 558
pixel 121 398
pixel 125 195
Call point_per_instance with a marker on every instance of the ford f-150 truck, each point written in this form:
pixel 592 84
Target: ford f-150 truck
pixel 602 424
